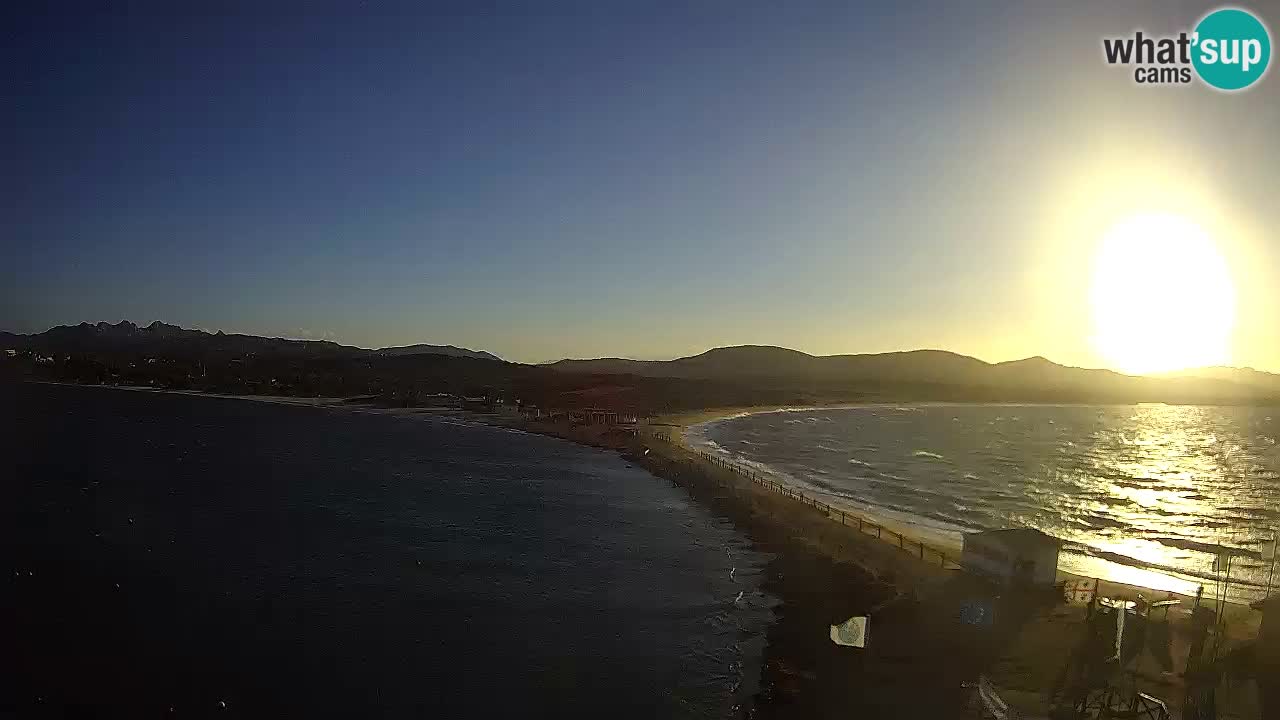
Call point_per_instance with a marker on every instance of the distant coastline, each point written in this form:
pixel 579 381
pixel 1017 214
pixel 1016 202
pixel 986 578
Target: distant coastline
pixel 740 376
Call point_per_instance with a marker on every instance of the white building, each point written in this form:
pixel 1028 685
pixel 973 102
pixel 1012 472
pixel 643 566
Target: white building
pixel 1023 556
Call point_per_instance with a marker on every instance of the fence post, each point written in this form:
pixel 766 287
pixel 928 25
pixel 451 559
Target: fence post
pixel 878 532
pixel 922 551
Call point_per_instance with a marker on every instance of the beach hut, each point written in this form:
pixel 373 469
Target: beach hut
pixel 1018 556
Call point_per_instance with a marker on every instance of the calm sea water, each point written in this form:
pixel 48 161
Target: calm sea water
pixel 169 551
pixel 1151 486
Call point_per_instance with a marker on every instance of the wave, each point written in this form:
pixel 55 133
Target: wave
pixel 1207 548
pixel 1105 491
pixel 1128 561
pixel 715 447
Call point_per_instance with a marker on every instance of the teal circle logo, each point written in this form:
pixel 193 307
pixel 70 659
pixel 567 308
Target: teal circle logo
pixel 1232 49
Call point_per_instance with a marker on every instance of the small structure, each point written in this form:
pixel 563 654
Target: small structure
pixel 439 400
pixel 1018 556
pixel 593 416
pixel 477 404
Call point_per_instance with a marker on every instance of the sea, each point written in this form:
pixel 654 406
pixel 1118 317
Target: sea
pixel 1168 497
pixel 171 555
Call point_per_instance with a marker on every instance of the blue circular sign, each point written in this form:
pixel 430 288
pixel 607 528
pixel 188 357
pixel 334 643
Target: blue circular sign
pixel 1232 49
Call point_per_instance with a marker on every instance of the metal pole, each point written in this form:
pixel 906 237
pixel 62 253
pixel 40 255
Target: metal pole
pixel 1221 605
pixel 1272 571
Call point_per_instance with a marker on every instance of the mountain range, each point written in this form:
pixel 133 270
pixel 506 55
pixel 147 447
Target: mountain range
pixel 162 338
pixel 941 368
pixel 740 375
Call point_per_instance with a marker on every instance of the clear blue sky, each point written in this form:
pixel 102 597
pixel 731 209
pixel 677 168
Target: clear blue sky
pixel 637 179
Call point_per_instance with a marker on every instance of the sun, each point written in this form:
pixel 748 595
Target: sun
pixel 1162 297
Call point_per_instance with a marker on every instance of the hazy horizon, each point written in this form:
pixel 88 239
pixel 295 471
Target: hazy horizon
pixel 642 182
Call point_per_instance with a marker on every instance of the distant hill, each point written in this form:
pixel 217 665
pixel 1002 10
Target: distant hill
pixel 162 355
pixel 912 373
pixel 765 361
pixel 1241 376
pixel 449 350
pixel 171 340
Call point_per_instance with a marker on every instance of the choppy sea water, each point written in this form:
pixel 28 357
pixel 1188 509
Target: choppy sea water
pixel 1146 494
pixel 223 556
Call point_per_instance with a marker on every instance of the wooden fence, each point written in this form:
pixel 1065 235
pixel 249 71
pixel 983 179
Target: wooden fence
pixel 848 519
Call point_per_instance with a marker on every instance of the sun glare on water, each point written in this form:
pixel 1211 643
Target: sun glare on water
pixel 1162 297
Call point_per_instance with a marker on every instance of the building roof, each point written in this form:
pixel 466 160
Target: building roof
pixel 1019 537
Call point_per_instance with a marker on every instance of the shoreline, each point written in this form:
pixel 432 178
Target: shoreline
pixel 825 572
pixel 1032 657
pixel 684 423
pixel 677 426
pixel 801 673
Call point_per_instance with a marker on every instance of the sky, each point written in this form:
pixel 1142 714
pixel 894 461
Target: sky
pixel 648 180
